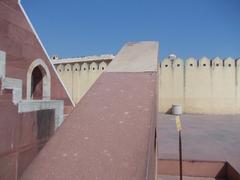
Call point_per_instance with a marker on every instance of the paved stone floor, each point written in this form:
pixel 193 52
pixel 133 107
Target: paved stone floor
pixel 205 137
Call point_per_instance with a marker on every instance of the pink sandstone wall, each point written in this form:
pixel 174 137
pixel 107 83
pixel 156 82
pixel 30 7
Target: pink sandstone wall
pixel 22 47
pixel 22 135
pixel 110 135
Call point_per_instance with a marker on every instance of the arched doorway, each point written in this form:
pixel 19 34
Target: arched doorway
pixel 38 81
pixel 37 84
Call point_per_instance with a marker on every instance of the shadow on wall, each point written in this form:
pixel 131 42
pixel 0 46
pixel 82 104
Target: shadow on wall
pixel 45 124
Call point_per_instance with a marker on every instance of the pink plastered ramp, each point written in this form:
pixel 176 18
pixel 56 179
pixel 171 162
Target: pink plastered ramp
pixel 111 132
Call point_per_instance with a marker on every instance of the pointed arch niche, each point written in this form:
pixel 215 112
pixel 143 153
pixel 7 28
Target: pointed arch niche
pixel 38 81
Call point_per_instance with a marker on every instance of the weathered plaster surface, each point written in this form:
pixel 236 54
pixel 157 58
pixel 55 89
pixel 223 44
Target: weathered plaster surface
pixel 112 127
pixel 203 87
pixel 79 74
pixel 145 58
pixel 37 105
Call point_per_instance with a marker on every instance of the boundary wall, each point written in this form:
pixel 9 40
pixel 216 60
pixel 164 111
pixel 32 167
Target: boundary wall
pixel 201 86
pixel 79 76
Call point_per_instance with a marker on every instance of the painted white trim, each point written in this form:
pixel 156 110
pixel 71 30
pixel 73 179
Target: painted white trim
pixel 40 42
pixel 9 83
pixel 46 79
pixel 36 105
pixel 2 64
pixel 15 85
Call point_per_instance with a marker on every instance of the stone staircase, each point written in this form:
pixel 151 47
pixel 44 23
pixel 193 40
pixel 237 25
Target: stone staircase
pixel 11 89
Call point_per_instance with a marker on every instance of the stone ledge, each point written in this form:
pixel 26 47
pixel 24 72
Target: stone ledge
pixel 36 105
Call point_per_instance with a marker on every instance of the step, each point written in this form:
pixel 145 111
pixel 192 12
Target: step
pixel 13 85
pixel 169 169
pixel 187 178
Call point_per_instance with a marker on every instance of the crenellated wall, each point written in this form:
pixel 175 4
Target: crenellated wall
pixel 201 86
pixel 79 75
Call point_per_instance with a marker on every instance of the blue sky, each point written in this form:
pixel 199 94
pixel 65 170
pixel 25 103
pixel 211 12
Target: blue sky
pixel 187 28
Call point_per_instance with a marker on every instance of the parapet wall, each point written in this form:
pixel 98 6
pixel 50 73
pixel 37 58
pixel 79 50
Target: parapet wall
pixel 201 86
pixel 79 76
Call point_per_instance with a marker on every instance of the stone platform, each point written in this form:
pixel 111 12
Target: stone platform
pixel 209 139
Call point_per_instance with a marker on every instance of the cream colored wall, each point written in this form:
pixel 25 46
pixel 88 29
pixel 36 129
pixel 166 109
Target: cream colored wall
pixel 79 77
pixel 238 84
pixel 201 86
pixel 204 86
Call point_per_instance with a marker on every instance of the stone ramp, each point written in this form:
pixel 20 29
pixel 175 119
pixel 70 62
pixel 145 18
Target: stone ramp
pixel 111 132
